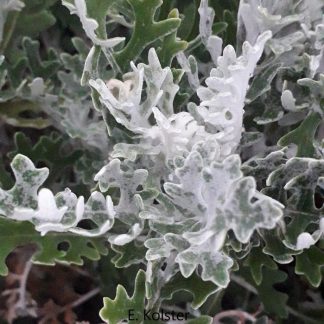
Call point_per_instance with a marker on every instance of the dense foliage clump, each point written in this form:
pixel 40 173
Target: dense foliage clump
pixel 175 147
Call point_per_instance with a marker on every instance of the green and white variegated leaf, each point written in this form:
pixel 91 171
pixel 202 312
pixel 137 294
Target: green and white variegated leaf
pixel 48 216
pixel 114 175
pixel 24 193
pixel 48 213
pixel 5 7
pixel 124 99
pixel 222 101
pixel 209 201
pixel 215 264
pixel 219 198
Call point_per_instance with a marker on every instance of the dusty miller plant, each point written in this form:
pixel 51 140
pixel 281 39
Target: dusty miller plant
pixel 197 165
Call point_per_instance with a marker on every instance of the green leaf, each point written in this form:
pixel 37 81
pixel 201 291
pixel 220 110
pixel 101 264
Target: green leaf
pixel 146 30
pixel 30 21
pixel 303 136
pixel 219 27
pixel 14 234
pixel 170 44
pixel 230 19
pixel 6 180
pixel 128 254
pixel 276 248
pixel 199 289
pixel 310 264
pixel 39 68
pixel 189 17
pixel 48 149
pixel 274 301
pixel 26 22
pixel 272 111
pixel 114 311
pixel 256 260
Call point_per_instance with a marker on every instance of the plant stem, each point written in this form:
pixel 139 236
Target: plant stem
pixel 23 284
pixel 234 313
pixel 218 295
pixel 74 304
pixel 9 32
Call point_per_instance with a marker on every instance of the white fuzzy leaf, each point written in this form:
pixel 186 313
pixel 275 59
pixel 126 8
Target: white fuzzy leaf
pixel 222 101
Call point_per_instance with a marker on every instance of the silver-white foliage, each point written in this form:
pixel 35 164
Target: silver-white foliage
pixel 210 198
pixel 204 195
pixel 281 18
pixel 223 100
pixel 124 99
pixel 212 43
pixel 256 16
pixel 220 112
pixel 171 134
pixel 316 61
